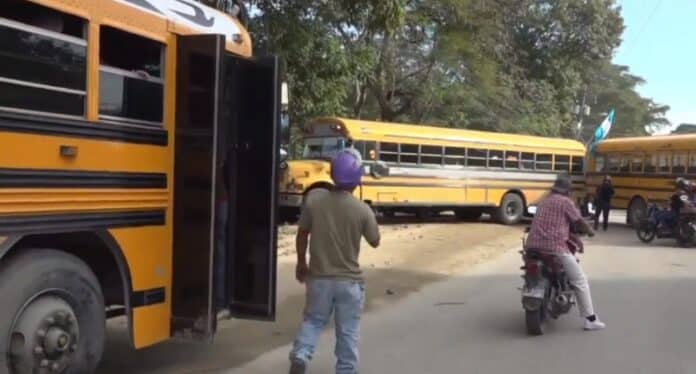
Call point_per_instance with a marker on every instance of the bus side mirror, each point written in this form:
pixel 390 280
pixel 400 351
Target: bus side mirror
pixel 379 169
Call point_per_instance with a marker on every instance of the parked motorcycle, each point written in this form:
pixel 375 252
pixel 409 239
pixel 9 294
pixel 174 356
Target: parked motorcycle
pixel 547 291
pixel 653 226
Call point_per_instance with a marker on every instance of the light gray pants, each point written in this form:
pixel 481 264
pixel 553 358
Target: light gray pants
pixel 578 280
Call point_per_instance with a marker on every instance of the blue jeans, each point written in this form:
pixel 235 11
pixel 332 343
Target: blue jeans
pixel 343 298
pixel 667 218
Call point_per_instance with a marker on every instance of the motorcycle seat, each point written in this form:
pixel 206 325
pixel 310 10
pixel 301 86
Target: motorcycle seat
pixel 550 260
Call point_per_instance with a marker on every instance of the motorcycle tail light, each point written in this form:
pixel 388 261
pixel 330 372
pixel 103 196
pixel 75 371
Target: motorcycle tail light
pixel 532 269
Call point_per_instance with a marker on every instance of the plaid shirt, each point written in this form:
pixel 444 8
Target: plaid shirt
pixel 551 225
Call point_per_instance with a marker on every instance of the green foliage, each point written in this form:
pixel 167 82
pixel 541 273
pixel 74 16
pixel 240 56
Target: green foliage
pixel 503 65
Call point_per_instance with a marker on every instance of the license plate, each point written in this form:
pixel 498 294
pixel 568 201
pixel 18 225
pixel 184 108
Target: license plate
pixel 536 292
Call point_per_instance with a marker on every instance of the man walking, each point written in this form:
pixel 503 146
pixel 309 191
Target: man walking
pixel 605 192
pixel 333 222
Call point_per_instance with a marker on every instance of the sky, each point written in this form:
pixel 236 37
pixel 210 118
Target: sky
pixel 658 45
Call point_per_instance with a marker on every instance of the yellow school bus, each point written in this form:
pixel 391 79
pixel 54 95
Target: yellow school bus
pixel 643 169
pixel 123 124
pixel 426 170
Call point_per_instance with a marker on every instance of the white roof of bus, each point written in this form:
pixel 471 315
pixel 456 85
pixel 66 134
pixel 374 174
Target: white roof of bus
pixel 397 130
pixel 190 14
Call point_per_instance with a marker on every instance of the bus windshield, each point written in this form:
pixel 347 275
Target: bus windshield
pixel 323 148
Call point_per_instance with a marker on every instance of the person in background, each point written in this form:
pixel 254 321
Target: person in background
pixel 604 193
pixel 333 223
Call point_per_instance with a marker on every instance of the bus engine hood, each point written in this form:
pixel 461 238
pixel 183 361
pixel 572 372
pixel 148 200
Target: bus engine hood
pixel 299 175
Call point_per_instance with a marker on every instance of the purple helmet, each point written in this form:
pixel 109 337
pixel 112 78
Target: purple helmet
pixel 346 169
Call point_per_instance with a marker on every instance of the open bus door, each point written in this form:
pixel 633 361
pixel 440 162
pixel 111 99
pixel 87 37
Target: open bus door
pixel 225 144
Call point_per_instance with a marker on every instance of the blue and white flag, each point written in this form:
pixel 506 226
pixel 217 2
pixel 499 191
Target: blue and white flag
pixel 603 130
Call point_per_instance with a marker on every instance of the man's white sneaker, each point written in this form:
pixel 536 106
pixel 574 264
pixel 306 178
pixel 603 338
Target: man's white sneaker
pixel 594 325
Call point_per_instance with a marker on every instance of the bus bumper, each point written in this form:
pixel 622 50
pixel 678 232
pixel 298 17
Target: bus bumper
pixel 290 200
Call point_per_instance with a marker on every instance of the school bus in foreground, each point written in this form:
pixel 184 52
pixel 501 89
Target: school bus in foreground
pixel 643 169
pixel 426 170
pixel 117 117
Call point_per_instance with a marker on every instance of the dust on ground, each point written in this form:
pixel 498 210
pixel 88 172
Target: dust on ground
pixel 412 255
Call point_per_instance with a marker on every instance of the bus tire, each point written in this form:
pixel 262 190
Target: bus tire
pixel 53 314
pixel 511 209
pixel 636 211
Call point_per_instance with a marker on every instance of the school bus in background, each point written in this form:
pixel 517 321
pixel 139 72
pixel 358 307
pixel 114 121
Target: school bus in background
pixel 427 170
pixel 117 117
pixel 643 169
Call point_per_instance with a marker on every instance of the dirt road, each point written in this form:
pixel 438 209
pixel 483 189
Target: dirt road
pixel 411 256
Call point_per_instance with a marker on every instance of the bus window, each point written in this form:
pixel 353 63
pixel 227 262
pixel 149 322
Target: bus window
pixel 637 164
pixel 512 160
pixel 455 156
pixel 131 84
pixel 360 147
pixel 692 163
pixel 663 163
pixel 495 159
pixel 561 163
pixel 544 162
pixel 650 164
pixel 528 160
pixel 679 163
pixel 600 163
pixel 323 148
pixel 476 157
pixel 613 163
pixel 431 155
pixel 408 154
pixel 625 164
pixel 578 164
pixel 389 152
pixel 370 151
pixel 43 60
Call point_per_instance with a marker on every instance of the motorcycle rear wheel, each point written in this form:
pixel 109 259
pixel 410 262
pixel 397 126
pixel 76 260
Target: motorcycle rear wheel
pixel 646 231
pixel 535 321
pixel 686 236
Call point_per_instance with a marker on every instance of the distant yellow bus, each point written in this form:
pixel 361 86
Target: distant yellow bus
pixel 427 170
pixel 643 169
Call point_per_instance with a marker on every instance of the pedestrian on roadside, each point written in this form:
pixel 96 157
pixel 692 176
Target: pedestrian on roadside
pixel 604 193
pixel 333 222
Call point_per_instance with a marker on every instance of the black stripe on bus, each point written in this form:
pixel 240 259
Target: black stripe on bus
pixel 668 176
pixel 637 188
pixel 450 186
pixel 35 178
pixel 147 297
pixel 55 223
pixel 10 122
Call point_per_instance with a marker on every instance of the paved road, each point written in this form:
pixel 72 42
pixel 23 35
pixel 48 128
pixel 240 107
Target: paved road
pixel 473 323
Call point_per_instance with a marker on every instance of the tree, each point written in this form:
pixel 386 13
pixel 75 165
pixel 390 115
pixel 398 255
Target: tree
pixel 502 65
pixel 614 87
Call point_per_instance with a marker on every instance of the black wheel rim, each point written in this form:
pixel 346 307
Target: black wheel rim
pixel 512 209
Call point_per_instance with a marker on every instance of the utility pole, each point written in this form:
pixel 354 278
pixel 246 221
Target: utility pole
pixel 581 111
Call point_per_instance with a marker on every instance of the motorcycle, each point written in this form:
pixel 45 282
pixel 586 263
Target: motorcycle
pixel 653 226
pixel 547 291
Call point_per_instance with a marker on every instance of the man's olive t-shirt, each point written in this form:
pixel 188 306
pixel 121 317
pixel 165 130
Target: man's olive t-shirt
pixel 336 221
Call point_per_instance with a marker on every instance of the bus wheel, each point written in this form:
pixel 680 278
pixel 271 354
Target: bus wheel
pixel 636 211
pixel 465 214
pixel 510 210
pixel 53 314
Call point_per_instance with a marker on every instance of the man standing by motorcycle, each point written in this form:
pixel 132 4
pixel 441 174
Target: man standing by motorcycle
pixel 604 193
pixel 551 231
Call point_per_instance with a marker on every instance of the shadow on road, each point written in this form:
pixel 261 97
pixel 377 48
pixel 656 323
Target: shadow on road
pixel 238 342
